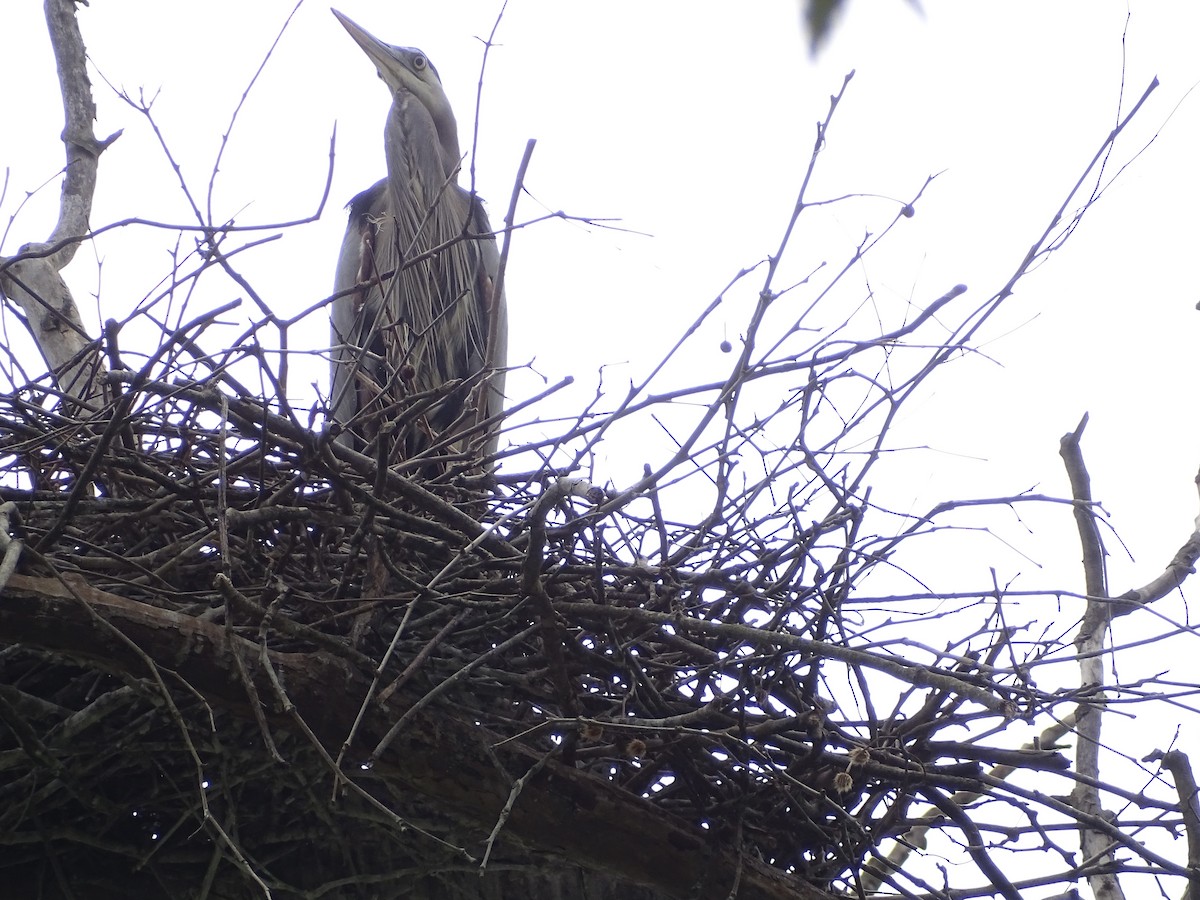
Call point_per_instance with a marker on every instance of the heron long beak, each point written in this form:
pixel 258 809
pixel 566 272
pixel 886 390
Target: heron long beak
pixel 384 57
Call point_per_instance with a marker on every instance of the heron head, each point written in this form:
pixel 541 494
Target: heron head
pixel 407 70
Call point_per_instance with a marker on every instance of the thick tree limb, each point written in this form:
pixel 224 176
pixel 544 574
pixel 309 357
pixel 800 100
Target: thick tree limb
pixel 1177 763
pixel 34 282
pixel 560 811
pixel 1097 847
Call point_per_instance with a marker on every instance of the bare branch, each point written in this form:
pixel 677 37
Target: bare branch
pixel 35 283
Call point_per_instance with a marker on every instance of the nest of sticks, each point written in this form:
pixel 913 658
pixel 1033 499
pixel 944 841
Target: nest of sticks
pixel 240 654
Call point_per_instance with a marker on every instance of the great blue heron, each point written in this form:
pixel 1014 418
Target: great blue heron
pixel 420 250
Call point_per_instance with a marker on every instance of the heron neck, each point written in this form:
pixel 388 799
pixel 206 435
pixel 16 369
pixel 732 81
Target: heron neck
pixel 418 159
pixel 447 130
pixel 424 128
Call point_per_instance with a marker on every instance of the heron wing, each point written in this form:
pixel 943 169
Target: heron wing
pixel 352 314
pixel 494 312
pixel 424 305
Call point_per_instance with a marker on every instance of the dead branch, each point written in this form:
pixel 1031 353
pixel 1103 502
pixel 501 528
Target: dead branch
pixel 31 279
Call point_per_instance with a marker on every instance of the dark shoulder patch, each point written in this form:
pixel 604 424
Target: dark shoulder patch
pixel 361 203
pixel 479 219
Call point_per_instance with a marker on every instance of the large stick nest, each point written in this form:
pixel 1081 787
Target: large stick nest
pixel 239 653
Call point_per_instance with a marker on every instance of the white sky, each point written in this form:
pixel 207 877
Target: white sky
pixel 692 122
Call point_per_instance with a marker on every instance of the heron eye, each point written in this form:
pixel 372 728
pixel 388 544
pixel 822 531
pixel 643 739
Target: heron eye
pixel 419 63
